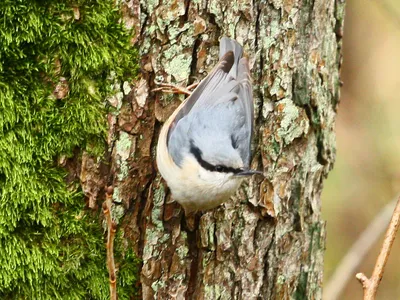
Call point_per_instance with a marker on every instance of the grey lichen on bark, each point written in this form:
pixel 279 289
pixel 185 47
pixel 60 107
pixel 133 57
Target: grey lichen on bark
pixel 268 240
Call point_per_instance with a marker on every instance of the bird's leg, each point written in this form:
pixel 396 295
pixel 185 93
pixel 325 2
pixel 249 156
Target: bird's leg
pixel 193 86
pixel 174 89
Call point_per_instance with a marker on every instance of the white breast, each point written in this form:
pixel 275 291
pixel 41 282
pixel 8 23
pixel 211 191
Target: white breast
pixel 198 189
pixel 192 186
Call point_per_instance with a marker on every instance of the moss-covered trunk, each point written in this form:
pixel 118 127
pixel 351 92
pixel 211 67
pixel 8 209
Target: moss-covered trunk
pixel 268 241
pixel 56 58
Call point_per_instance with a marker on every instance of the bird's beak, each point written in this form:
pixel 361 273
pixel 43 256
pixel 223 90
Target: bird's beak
pixel 249 173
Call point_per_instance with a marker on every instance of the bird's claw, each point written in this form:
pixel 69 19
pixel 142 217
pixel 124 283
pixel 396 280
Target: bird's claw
pixel 174 89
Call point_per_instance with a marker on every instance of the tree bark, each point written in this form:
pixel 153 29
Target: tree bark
pixel 268 241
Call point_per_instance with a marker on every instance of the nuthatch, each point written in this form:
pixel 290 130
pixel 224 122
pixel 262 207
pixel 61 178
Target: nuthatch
pixel 203 151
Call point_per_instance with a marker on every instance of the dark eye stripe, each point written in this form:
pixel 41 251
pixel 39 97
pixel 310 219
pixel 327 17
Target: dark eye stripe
pixel 206 165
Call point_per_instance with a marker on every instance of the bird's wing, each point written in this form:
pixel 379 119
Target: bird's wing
pixel 208 86
pixel 246 100
pixel 229 56
pixel 228 81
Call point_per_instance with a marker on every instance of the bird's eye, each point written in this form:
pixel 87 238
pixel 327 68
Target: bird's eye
pixel 219 168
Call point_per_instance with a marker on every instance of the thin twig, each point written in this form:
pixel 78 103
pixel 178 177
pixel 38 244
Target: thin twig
pixel 111 229
pixel 370 285
pixel 352 260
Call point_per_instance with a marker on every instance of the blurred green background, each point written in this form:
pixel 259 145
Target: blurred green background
pixel 366 175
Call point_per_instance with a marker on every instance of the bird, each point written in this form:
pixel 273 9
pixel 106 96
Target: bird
pixel 204 147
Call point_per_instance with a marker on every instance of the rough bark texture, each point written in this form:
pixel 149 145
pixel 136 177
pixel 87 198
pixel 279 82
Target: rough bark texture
pixel 268 241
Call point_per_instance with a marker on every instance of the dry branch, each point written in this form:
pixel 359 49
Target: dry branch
pixel 111 229
pixel 356 254
pixel 370 285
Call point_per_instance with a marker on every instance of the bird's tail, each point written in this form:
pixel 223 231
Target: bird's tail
pixel 227 44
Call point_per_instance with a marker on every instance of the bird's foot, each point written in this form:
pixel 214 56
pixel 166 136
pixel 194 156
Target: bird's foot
pixel 175 89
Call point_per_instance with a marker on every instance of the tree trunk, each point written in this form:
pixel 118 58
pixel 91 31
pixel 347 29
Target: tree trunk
pixel 268 241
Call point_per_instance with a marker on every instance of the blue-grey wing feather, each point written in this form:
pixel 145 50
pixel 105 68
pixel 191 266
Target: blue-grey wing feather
pixel 246 99
pixel 220 109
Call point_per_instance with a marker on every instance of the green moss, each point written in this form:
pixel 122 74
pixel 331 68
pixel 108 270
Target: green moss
pixel 301 289
pixel 294 122
pixel 50 246
pixel 182 250
pixel 127 268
